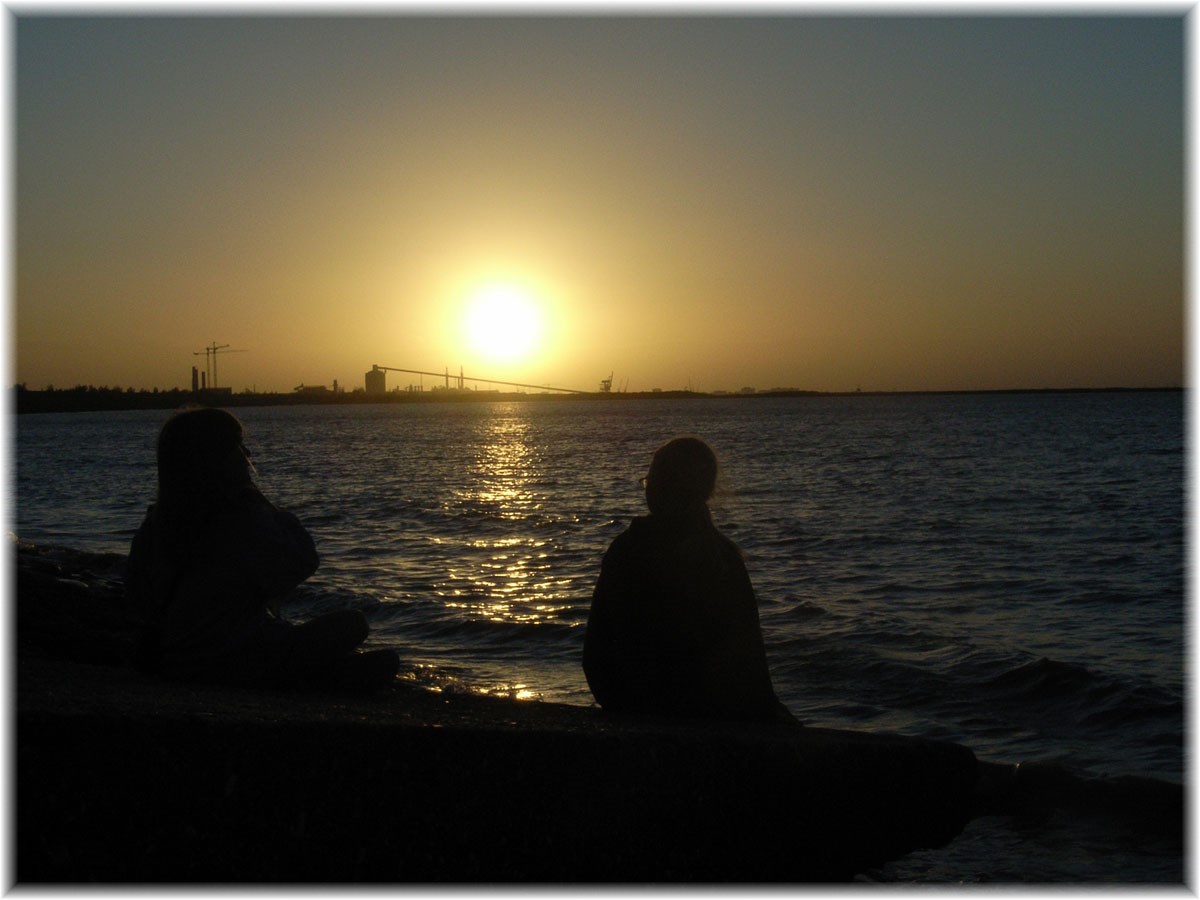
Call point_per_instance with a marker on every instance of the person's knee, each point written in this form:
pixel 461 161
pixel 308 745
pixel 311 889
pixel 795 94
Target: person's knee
pixel 344 629
pixel 350 624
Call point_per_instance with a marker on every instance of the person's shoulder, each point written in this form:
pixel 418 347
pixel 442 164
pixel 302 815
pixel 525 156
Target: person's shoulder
pixel 726 542
pixel 638 526
pixel 624 542
pixel 725 549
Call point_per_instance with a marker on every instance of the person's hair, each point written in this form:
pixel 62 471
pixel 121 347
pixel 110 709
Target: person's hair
pixel 682 477
pixel 196 477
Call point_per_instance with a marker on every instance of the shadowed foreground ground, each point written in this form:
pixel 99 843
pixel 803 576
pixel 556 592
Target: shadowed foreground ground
pixel 122 778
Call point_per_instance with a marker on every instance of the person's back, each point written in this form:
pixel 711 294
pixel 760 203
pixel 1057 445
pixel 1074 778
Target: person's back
pixel 673 627
pixel 215 602
pixel 211 564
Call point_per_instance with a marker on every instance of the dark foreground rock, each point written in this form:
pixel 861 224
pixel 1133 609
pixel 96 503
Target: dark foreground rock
pixel 121 778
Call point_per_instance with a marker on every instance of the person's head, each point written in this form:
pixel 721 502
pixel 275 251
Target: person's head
pixel 682 476
pixel 200 449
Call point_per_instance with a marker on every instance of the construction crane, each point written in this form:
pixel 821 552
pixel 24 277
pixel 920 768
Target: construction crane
pixel 210 360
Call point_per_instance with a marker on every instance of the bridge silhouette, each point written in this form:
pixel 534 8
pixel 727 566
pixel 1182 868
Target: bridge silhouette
pixel 462 378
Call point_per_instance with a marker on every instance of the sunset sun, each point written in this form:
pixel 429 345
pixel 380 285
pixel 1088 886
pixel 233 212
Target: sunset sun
pixel 503 323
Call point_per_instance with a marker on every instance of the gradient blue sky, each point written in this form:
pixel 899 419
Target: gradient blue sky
pixel 798 199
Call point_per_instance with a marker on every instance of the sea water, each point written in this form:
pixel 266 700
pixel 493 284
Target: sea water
pixel 1001 570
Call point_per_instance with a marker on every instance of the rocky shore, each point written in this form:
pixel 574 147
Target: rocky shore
pixel 121 778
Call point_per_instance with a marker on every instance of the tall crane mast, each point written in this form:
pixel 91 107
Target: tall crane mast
pixel 210 360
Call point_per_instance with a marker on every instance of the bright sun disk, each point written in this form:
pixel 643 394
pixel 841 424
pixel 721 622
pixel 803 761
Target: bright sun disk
pixel 503 323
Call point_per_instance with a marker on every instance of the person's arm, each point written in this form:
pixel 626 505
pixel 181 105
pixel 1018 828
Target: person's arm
pixel 605 654
pixel 137 567
pixel 278 550
pixel 743 683
pixel 599 638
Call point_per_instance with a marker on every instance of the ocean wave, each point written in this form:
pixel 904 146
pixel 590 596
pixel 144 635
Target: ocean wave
pixel 804 610
pixel 1041 679
pixel 1138 713
pixel 468 629
pixel 1068 702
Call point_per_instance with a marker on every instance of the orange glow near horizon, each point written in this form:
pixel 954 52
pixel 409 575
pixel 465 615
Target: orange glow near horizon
pixel 684 202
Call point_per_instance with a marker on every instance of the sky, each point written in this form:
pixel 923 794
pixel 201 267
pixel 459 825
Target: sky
pixel 799 199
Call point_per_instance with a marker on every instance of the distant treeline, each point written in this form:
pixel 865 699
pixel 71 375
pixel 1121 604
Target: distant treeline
pixel 82 398
pixel 85 398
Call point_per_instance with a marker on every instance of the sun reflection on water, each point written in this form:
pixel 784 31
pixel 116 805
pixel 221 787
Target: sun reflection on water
pixel 506 577
pixel 433 677
pixel 503 469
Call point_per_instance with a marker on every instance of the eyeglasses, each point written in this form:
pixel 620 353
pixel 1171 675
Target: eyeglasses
pixel 249 459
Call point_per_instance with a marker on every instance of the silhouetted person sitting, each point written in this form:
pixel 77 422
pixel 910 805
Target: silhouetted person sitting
pixel 211 563
pixel 674 627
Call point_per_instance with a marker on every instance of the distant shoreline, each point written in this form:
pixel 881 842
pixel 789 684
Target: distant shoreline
pixel 91 399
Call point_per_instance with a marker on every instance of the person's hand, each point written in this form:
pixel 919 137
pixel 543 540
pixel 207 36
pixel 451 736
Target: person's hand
pixel 249 494
pixel 235 469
